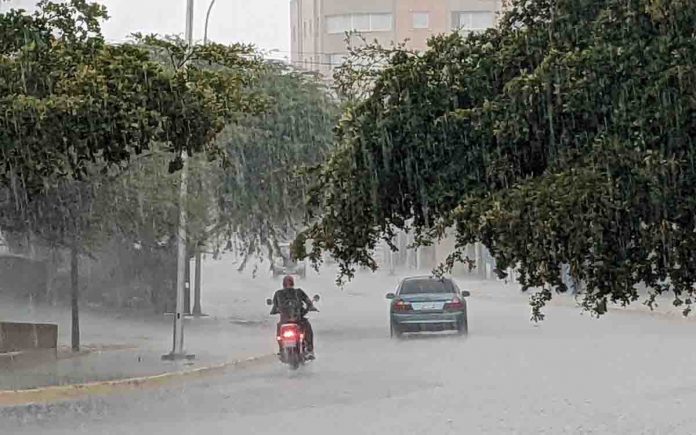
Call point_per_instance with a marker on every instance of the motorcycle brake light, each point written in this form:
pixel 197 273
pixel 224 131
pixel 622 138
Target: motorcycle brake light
pixel 289 332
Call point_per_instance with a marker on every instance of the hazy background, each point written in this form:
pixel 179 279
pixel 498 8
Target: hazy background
pixel 265 23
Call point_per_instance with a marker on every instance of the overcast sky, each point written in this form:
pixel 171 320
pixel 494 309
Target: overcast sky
pixel 265 23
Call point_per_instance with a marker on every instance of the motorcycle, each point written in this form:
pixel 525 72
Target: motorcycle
pixel 291 338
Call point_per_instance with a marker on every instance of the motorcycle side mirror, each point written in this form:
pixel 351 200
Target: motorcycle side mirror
pixel 316 298
pixel 269 302
pixel 391 295
pixel 466 293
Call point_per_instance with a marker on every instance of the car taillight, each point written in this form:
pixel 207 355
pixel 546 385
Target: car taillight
pixel 402 306
pixel 454 304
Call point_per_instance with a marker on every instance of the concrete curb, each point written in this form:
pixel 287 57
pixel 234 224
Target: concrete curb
pixel 61 393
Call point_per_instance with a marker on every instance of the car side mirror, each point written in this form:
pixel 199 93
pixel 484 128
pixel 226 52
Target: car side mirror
pixel 316 298
pixel 391 295
pixel 269 302
pixel 466 293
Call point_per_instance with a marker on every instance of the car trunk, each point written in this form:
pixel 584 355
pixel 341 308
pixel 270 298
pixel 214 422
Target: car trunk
pixel 428 302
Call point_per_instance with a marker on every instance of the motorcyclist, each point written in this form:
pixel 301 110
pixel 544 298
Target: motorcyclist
pixel 290 296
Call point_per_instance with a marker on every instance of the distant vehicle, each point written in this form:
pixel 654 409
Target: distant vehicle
pixel 286 265
pixel 427 303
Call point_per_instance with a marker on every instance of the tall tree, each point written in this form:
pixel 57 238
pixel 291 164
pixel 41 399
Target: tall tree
pixel 563 136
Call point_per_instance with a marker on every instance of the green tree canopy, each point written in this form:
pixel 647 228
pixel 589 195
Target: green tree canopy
pixel 563 136
pixel 69 100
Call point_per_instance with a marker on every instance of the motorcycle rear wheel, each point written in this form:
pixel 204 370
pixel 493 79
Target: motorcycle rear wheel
pixel 294 359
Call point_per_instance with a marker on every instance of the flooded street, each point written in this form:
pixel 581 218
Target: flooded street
pixel 570 374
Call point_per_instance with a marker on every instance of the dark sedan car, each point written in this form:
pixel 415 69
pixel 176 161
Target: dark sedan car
pixel 427 303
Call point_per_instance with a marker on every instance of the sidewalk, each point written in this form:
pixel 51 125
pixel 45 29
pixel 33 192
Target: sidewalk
pixel 87 368
pixel 213 342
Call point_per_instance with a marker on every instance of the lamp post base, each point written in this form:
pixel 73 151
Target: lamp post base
pixel 178 357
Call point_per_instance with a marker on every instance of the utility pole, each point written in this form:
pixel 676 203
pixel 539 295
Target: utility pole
pixel 182 256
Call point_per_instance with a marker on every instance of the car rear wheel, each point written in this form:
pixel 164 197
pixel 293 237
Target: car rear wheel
pixel 395 331
pixel 463 326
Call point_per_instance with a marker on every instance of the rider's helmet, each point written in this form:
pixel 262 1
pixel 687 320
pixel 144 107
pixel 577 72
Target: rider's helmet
pixel 288 282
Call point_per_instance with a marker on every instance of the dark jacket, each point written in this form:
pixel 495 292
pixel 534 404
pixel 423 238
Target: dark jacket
pixel 291 303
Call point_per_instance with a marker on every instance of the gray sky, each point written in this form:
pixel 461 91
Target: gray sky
pixel 265 23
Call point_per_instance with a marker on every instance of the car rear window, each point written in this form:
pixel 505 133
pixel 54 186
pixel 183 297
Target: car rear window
pixel 426 285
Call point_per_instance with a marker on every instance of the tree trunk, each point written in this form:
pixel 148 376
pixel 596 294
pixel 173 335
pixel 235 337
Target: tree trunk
pixel 480 261
pixel 197 287
pixel 49 278
pixel 74 298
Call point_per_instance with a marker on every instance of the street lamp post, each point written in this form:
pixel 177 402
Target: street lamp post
pixel 207 20
pixel 182 255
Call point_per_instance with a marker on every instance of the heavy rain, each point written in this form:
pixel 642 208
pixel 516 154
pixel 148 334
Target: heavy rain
pixel 347 216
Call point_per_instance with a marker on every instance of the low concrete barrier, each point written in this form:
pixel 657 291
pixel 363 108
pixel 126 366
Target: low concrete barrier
pixel 18 337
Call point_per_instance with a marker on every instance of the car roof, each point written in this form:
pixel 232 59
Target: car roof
pixel 419 277
pixel 424 278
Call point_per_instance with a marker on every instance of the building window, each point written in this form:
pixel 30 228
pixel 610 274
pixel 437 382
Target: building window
pixel 338 24
pixel 421 20
pixel 380 22
pixel 359 23
pixel 472 20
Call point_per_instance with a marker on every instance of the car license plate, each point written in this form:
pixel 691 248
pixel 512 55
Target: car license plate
pixel 428 306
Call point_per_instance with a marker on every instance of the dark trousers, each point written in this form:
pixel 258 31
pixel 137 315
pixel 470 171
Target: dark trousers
pixel 308 333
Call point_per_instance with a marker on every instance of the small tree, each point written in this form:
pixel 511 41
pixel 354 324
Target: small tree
pixel 63 217
pixel 264 187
